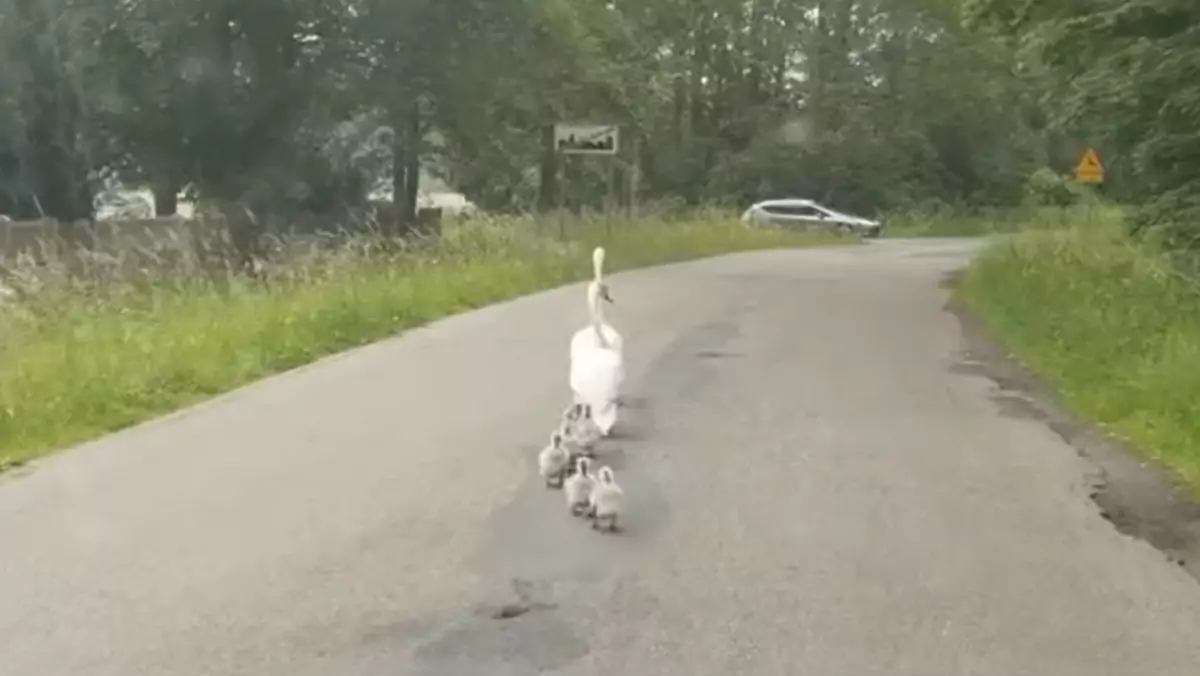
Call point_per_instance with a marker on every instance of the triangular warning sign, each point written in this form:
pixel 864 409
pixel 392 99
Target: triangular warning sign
pixel 1089 170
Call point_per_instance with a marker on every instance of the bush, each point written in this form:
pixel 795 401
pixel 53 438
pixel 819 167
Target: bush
pixel 942 220
pixel 1047 187
pixel 1111 322
pixel 81 355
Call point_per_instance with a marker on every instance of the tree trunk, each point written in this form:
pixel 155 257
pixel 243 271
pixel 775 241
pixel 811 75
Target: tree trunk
pixel 51 108
pixel 406 168
pixel 679 102
pixel 548 188
pixel 166 199
pixel 699 133
pixel 576 192
pixel 393 224
pixel 246 229
pixel 815 103
pixel 412 167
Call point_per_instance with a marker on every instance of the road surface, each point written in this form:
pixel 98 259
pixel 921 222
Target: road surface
pixel 816 487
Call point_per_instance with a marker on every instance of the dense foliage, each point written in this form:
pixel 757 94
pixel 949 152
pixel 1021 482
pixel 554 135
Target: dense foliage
pixel 303 105
pixel 1123 75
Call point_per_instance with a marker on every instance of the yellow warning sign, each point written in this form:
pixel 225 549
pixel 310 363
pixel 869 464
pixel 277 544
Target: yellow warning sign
pixel 1089 170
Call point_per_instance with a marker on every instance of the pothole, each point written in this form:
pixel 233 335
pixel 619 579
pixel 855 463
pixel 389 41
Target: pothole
pixel 716 354
pixel 510 610
pixel 504 639
pixel 523 605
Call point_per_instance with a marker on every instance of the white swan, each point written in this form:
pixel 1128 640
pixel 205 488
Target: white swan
pixel 606 501
pixel 585 433
pixel 597 369
pixel 553 461
pixel 583 337
pixel 578 487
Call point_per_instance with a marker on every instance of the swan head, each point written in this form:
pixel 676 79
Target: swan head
pixel 606 475
pixel 583 466
pixel 598 291
pixel 598 262
pixel 556 439
pixel 573 412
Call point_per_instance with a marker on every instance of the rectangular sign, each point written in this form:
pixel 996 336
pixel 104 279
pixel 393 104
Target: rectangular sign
pixel 586 139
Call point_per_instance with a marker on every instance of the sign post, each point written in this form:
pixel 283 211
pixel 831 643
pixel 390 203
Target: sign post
pixel 591 139
pixel 1089 170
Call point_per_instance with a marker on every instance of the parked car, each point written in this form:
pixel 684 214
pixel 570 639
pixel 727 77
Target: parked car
pixel 807 214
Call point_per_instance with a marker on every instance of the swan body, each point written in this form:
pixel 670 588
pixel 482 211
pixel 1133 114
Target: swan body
pixel 585 433
pixel 597 364
pixel 553 460
pixel 585 338
pixel 578 487
pixel 596 378
pixel 606 500
pixel 570 420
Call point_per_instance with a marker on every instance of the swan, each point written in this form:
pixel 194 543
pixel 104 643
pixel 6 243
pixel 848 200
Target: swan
pixel 578 487
pixel 570 420
pixel 552 461
pixel 583 433
pixel 606 500
pixel 583 337
pixel 596 368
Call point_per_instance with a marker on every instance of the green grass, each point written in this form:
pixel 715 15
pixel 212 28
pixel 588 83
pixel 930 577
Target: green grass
pixel 949 222
pixel 81 357
pixel 1111 322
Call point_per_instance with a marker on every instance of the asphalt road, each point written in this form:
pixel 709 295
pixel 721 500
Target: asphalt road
pixel 816 487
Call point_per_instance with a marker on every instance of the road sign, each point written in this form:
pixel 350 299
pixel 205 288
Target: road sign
pixel 1089 169
pixel 586 139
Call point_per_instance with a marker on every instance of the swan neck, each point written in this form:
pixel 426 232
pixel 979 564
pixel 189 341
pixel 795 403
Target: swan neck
pixel 597 315
pixel 598 264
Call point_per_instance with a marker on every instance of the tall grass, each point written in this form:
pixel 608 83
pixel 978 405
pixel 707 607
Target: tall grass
pixel 946 221
pixel 1113 323
pixel 81 355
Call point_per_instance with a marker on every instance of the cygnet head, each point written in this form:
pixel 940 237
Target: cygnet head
pixel 585 411
pixel 556 439
pixel 583 466
pixel 606 475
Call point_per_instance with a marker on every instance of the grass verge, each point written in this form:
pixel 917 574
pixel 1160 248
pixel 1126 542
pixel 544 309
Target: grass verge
pixel 82 357
pixel 1111 323
pixel 950 222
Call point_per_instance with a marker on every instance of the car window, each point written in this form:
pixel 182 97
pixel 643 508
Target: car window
pixel 790 210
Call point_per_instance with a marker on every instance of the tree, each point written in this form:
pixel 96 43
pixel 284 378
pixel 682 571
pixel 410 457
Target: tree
pixel 1130 66
pixel 298 105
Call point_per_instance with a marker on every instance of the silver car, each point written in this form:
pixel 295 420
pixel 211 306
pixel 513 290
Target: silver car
pixel 807 214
